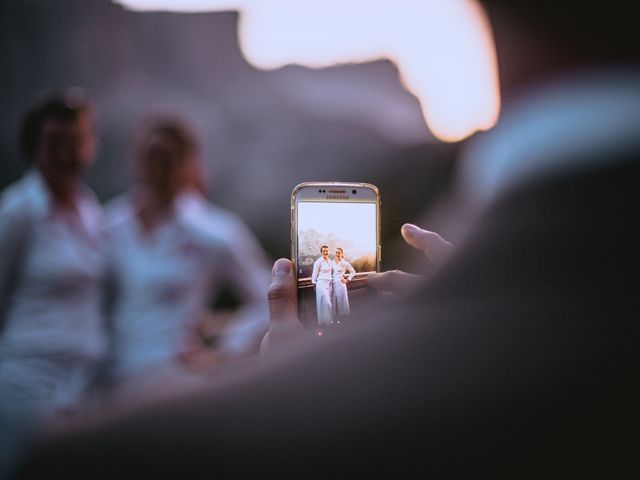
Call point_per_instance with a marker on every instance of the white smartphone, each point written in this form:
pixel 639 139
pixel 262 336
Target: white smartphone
pixel 335 245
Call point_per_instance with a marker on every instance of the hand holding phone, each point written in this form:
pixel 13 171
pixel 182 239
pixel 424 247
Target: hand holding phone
pixel 335 242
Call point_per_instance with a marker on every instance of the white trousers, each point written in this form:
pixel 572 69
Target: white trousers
pixel 340 300
pixel 323 302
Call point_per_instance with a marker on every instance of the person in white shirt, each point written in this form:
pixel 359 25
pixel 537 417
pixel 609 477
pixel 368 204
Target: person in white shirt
pixel 340 297
pixel 170 254
pixel 51 269
pixel 321 277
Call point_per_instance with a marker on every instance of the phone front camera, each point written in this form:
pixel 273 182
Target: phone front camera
pixel 354 191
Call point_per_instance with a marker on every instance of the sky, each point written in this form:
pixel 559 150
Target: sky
pixel 443 49
pixel 352 221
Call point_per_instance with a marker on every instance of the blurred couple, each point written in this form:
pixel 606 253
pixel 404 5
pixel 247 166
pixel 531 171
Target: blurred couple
pixel 92 298
pixel 329 278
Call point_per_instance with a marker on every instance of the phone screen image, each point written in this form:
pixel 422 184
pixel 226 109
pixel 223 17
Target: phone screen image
pixel 336 249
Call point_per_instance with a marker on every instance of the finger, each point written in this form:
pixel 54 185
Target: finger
pixel 396 282
pixel 282 293
pixel 284 325
pixel 436 248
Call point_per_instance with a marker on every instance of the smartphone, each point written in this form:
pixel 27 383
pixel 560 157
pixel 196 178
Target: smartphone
pixel 335 245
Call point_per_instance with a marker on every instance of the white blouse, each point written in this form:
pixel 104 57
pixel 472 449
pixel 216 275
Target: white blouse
pixel 322 270
pixel 52 305
pixel 165 279
pixel 340 268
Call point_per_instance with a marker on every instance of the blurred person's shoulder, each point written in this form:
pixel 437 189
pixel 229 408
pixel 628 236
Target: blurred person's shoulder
pixel 223 223
pixel 582 121
pixel 227 228
pixel 26 198
pixel 213 221
pixel 194 219
pixel 118 211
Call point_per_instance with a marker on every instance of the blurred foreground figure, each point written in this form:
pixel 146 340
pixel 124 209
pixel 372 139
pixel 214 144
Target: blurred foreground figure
pixel 170 253
pixel 51 268
pixel 518 359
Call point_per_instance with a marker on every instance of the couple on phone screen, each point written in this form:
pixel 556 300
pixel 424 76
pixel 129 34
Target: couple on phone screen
pixel 331 285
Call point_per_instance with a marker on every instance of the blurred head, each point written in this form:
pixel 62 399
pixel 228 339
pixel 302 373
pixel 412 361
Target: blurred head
pixel 534 39
pixel 166 157
pixel 58 135
pixel 324 250
pixel 339 253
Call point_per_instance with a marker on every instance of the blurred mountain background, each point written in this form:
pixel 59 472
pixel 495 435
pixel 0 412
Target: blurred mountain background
pixel 263 132
pixel 310 241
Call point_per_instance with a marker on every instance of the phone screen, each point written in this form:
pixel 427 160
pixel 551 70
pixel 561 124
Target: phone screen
pixel 336 246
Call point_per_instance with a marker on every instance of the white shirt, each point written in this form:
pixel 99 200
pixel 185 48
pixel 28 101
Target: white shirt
pixel 166 278
pixel 340 268
pixel 321 270
pixel 53 305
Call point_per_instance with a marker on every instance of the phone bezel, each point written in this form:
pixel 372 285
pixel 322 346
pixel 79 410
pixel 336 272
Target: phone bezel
pixel 309 192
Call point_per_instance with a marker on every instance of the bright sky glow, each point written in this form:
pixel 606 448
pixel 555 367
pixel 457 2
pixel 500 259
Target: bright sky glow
pixel 352 221
pixel 443 49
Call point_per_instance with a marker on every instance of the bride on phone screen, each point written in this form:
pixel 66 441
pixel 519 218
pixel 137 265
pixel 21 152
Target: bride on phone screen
pixel 340 301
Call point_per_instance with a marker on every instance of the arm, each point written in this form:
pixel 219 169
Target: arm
pixel 316 271
pixel 352 271
pixel 248 281
pixel 14 237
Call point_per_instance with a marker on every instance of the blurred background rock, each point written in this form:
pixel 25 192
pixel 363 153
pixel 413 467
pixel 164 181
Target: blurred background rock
pixel 262 131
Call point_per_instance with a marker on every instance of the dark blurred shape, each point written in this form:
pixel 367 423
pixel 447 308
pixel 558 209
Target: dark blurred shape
pixel 559 35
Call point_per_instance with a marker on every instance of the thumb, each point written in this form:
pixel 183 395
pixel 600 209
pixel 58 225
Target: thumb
pixel 282 292
pixel 283 306
pixel 436 248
